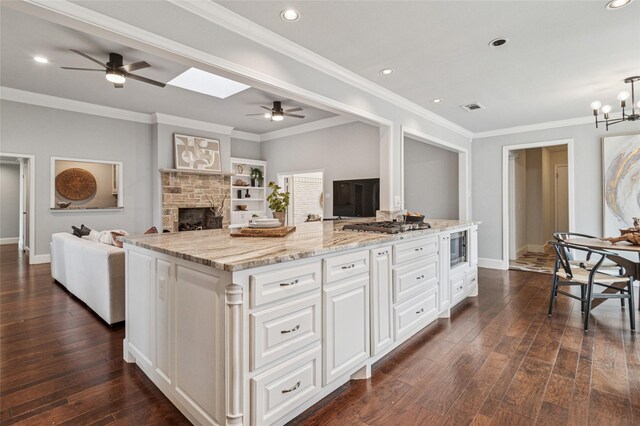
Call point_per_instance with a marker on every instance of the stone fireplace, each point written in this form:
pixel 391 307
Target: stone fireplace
pixel 193 194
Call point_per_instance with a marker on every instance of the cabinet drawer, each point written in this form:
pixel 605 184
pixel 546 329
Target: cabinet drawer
pixel 414 250
pixel 280 330
pixel 457 288
pixel 414 278
pixel 347 265
pixel 420 310
pixel 283 388
pixel 471 282
pixel 283 283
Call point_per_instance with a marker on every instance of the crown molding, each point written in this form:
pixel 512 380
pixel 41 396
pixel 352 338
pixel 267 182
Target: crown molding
pixel 238 24
pixel 306 128
pixel 172 120
pixel 39 99
pixel 247 136
pixel 534 127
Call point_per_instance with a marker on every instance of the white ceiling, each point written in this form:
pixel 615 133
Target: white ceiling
pixel 24 36
pixel 561 55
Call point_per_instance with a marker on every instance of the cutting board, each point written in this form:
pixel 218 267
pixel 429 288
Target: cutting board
pixel 281 231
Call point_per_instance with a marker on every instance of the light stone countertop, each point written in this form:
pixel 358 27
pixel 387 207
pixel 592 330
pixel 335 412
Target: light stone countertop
pixel 216 248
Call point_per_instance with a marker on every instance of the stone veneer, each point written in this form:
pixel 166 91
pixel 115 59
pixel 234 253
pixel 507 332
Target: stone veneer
pixel 180 190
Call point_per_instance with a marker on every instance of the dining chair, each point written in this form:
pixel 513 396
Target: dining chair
pixel 567 274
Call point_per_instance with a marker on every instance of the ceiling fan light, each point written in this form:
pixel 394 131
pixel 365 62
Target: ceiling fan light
pixel 277 116
pixel 617 4
pixel 267 115
pixel 115 77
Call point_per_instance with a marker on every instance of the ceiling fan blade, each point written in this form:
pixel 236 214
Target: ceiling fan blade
pixel 293 109
pixel 134 67
pixel 145 80
pixel 118 86
pixel 251 115
pixel 294 115
pixel 89 57
pixel 80 69
pixel 267 108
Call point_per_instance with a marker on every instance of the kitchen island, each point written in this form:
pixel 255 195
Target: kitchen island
pixel 253 331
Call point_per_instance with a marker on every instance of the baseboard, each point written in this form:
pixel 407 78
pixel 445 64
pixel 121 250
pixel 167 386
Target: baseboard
pixel 12 240
pixel 491 263
pixel 536 248
pixel 522 250
pixel 40 258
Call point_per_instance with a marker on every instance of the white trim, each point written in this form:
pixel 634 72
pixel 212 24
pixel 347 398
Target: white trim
pixel 306 127
pixel 533 127
pixel 32 199
pixel 172 120
pixel 39 99
pixel 40 258
pixel 491 263
pixel 9 240
pixel 52 203
pixel 238 24
pixel 464 172
pixel 245 136
pixel 505 187
pixel 555 192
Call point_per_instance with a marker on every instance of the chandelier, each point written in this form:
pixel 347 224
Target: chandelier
pixel 623 97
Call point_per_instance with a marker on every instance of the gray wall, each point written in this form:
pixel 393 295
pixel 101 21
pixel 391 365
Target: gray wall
pixel 349 151
pixel 9 200
pixel 430 180
pixel 245 149
pixel 47 132
pixel 534 197
pixel 487 179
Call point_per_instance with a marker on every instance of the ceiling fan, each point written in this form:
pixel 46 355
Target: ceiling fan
pixel 116 72
pixel 276 113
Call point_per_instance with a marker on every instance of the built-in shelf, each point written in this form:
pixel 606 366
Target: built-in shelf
pixel 247 199
pixel 256 204
pixel 197 172
pixel 246 187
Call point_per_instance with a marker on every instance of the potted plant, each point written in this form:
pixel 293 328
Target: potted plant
pixel 278 202
pixel 256 176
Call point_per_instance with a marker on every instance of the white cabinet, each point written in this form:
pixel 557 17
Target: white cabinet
pixel 381 301
pixel 444 289
pixel 345 325
pixel 457 283
pixel 415 313
pixel 473 246
pixel 414 278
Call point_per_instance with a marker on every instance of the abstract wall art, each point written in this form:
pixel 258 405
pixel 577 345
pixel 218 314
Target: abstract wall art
pixel 196 153
pixel 621 182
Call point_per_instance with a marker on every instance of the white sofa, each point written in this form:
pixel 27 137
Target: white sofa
pixel 93 272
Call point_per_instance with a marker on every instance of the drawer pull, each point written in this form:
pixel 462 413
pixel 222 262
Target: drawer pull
pixel 296 328
pixel 418 249
pixel 296 386
pixel 420 277
pixel 288 284
pixel 383 252
pixel 420 311
pixel 353 265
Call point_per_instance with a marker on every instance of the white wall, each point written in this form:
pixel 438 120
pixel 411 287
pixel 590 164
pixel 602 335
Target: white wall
pixel 245 149
pixel 430 180
pixel 47 132
pixel 9 200
pixel 349 151
pixel 587 173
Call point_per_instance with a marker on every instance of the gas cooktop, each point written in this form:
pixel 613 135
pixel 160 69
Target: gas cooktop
pixel 387 227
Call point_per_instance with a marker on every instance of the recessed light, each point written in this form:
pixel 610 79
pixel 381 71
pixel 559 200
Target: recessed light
pixel 386 71
pixel 617 4
pixel 41 59
pixel 500 41
pixel 290 15
pixel 437 101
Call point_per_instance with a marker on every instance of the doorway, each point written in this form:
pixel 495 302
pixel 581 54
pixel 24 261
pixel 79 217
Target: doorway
pixel 17 193
pixel 306 199
pixel 537 202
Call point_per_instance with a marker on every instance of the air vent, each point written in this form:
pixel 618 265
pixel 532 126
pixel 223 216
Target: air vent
pixel 472 107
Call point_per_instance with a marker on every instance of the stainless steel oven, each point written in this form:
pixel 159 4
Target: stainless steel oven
pixel 458 245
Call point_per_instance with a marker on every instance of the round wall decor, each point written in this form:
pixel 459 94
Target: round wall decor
pixel 76 184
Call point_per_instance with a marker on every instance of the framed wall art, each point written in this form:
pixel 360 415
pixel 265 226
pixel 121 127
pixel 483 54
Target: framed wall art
pixel 196 153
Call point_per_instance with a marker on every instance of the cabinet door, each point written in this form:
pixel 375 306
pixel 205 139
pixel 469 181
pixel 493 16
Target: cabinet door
pixel 457 288
pixel 473 246
pixel 346 326
pixel 444 289
pixel 381 324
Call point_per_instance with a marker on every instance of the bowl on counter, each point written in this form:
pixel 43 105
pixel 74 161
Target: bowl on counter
pixel 241 207
pixel 413 218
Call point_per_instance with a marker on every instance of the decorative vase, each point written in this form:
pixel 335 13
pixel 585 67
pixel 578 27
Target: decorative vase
pixel 247 195
pixel 240 168
pixel 281 216
pixel 253 182
pixel 239 193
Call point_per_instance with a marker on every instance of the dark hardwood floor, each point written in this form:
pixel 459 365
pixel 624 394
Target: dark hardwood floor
pixel 498 360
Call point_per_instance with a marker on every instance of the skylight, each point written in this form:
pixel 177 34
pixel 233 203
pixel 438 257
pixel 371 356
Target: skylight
pixel 206 83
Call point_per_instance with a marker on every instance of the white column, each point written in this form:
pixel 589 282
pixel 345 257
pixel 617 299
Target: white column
pixel 233 356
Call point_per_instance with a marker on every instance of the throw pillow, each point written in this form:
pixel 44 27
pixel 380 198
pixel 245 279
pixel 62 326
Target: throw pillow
pixel 114 237
pixel 152 230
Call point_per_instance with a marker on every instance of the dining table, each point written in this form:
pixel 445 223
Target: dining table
pixel 615 249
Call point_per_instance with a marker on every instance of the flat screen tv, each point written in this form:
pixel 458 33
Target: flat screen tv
pixel 356 197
